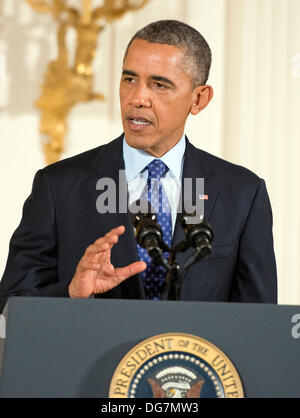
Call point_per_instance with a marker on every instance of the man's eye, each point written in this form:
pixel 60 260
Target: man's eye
pixel 128 79
pixel 159 86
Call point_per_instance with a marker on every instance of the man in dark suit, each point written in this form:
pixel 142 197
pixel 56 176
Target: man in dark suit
pixel 56 250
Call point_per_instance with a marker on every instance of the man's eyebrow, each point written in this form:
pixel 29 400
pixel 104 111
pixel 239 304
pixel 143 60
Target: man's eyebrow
pixel 128 72
pixel 153 77
pixel 162 79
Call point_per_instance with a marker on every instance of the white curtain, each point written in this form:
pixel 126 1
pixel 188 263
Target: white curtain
pixel 262 115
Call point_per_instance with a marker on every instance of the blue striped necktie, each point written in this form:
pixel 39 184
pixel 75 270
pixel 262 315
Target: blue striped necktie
pixel 154 276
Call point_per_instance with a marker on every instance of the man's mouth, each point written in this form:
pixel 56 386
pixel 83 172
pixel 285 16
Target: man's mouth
pixel 138 122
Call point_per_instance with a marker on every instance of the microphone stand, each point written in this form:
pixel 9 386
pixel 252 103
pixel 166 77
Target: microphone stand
pixel 149 236
pixel 174 279
pixel 173 282
pixel 200 237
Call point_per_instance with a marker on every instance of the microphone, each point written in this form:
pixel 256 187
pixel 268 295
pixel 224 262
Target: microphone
pixel 199 234
pixel 149 235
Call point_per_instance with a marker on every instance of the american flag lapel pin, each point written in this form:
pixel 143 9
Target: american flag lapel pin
pixel 203 196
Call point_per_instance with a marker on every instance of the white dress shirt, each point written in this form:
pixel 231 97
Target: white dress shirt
pixel 136 173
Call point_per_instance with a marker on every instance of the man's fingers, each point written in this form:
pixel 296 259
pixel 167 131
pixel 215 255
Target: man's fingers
pixel 97 248
pixel 89 265
pixel 108 270
pixel 107 242
pixel 115 231
pixel 130 270
pixel 102 245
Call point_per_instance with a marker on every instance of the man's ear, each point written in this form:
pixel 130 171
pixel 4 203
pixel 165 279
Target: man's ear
pixel 202 96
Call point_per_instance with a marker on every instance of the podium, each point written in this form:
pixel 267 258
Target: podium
pixel 56 347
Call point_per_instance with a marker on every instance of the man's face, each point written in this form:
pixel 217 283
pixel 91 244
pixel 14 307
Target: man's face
pixel 156 96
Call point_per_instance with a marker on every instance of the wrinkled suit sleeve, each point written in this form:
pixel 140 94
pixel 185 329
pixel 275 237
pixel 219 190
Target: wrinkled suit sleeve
pixel 256 277
pixel 31 268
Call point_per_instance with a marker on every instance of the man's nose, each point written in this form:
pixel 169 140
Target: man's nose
pixel 141 97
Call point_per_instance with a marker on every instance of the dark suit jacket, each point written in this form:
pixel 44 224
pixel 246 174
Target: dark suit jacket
pixel 60 220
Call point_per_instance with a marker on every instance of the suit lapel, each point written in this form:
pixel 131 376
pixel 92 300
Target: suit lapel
pixel 107 165
pixel 196 166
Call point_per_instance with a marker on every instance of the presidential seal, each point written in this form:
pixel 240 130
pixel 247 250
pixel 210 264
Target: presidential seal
pixel 176 365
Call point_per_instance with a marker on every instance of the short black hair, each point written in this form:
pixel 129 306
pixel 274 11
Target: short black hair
pixel 197 53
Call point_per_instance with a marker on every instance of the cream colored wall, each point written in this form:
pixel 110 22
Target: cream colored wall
pixel 253 119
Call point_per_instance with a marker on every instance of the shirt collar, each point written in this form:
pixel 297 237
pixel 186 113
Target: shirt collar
pixel 136 160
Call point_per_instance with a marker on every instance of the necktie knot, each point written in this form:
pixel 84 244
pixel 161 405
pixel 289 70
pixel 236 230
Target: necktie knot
pixel 156 169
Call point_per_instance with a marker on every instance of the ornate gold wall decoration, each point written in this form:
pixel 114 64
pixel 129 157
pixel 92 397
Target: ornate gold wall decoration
pixel 66 85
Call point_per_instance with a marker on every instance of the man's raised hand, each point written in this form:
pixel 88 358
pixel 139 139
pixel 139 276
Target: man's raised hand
pixel 95 274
